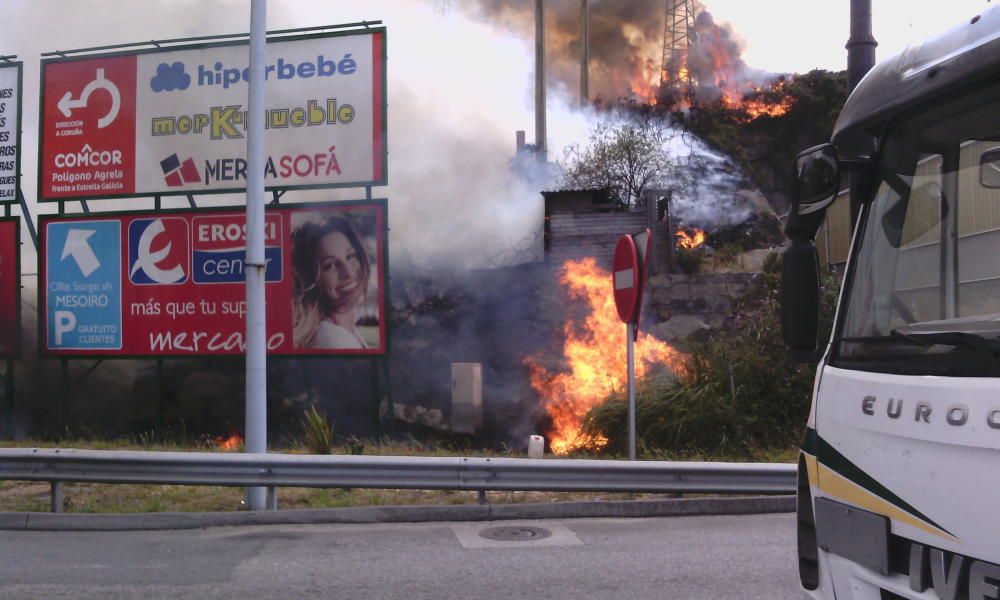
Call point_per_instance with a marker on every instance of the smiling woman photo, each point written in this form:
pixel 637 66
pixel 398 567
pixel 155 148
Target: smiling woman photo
pixel 332 271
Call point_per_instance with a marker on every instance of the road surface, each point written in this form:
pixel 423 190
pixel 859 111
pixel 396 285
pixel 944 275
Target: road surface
pixel 690 558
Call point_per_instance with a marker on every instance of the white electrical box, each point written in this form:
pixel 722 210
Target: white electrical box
pixel 466 397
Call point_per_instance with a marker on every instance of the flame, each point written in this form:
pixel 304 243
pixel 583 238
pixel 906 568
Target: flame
pixel 711 69
pixel 229 444
pixel 596 354
pixel 690 241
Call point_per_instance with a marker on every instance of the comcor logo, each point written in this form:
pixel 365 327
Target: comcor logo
pixel 158 251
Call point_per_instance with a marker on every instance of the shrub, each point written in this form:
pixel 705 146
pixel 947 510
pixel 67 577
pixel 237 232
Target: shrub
pixel 317 431
pixel 728 255
pixel 741 391
pixel 690 260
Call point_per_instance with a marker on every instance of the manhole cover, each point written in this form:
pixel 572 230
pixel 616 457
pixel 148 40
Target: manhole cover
pixel 515 534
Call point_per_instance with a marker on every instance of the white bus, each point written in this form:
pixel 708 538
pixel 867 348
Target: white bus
pixel 899 473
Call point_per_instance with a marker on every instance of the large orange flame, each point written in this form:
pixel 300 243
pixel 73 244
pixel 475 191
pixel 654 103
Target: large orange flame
pixel 690 240
pixel 596 354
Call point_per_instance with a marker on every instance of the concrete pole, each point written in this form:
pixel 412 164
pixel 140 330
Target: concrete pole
pixel 540 146
pixel 256 349
pixel 585 59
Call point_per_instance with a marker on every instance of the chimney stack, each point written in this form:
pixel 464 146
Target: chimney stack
pixel 585 55
pixel 860 60
pixel 540 146
pixel 861 45
pixel 520 137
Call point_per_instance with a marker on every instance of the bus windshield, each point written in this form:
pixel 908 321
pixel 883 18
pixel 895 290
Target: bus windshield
pixel 924 295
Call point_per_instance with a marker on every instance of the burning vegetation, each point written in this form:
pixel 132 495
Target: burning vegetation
pixel 634 58
pixel 690 240
pixel 595 357
pixel 231 443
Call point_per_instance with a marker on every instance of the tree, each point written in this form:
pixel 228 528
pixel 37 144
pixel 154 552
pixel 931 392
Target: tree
pixel 626 157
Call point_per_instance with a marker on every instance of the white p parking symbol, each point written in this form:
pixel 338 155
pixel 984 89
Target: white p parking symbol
pixel 65 323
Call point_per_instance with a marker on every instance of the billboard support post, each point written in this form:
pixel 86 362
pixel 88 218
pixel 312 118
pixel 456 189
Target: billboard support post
pixel 256 338
pixel 388 397
pixel 9 395
pixel 28 220
pixel 161 394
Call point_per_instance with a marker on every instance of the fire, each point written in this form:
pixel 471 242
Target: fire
pixel 596 354
pixel 229 444
pixel 692 240
pixel 711 70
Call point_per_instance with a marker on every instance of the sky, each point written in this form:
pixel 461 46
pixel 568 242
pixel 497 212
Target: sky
pixel 811 33
pixel 779 35
pixel 458 89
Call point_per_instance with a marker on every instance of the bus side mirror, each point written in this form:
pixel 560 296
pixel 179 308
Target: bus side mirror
pixel 800 300
pixel 814 187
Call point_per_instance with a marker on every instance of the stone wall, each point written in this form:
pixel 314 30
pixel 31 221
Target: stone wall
pixel 679 305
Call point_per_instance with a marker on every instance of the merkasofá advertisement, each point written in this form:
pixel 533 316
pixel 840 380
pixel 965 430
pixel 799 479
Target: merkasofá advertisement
pixel 174 120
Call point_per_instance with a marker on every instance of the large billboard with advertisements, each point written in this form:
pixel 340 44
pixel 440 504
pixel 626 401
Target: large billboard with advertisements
pixel 172 283
pixel 10 131
pixel 10 287
pixel 174 120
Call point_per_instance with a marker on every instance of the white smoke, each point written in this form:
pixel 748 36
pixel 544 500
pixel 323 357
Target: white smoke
pixel 458 91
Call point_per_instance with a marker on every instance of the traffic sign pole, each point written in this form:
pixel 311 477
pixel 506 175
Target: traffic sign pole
pixel 631 391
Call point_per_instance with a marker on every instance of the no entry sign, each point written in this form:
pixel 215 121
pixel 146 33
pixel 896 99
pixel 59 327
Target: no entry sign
pixel 626 279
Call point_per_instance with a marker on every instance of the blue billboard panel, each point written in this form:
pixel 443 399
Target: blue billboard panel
pixel 83 276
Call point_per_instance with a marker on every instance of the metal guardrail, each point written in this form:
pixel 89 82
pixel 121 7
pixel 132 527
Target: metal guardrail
pixel 392 472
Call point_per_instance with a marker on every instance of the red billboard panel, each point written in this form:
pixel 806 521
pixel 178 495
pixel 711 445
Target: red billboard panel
pixel 172 283
pixel 10 287
pixel 174 120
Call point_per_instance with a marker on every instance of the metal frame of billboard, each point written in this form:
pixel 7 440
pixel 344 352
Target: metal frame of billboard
pixel 16 353
pixel 43 352
pixel 178 44
pixel 6 63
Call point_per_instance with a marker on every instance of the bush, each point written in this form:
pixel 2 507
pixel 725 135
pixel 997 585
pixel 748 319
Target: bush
pixel 728 255
pixel 318 432
pixel 740 393
pixel 690 260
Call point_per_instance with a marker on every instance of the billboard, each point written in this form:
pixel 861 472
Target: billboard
pixel 174 120
pixel 172 283
pixel 10 287
pixel 10 131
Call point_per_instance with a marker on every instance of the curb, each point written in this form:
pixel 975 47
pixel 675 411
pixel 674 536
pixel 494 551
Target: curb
pixel 680 507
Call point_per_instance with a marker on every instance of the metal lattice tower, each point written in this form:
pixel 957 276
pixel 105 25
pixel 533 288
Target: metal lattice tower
pixel 677 37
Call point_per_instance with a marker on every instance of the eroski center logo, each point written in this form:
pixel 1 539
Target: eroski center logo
pixel 158 251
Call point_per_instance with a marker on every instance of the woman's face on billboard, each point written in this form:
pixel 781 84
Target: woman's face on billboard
pixel 339 266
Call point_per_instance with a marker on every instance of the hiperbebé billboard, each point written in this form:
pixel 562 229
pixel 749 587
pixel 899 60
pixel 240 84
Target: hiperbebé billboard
pixel 172 283
pixel 174 121
pixel 10 131
pixel 10 287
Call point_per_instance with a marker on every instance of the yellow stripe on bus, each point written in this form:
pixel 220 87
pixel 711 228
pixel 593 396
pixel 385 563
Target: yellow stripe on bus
pixel 834 484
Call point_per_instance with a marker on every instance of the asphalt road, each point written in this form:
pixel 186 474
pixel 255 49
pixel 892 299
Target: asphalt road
pixel 690 558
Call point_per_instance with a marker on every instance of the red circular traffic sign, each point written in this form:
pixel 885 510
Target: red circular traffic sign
pixel 625 279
